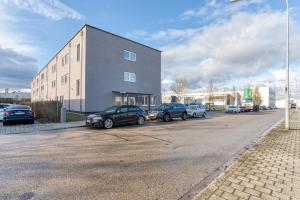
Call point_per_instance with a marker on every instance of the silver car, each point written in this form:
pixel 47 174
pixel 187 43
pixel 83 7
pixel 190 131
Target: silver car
pixel 196 111
pixel 2 106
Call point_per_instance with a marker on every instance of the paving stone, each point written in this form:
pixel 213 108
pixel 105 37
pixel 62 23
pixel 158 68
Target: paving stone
pixel 29 128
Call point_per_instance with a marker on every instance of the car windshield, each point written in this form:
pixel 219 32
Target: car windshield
pixel 164 106
pixel 2 106
pixel 112 109
pixel 193 107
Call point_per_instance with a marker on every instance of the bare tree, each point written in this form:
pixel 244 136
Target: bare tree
pixel 256 96
pixel 234 95
pixel 179 87
pixel 210 90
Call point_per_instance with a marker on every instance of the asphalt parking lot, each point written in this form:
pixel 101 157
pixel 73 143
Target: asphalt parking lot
pixel 156 161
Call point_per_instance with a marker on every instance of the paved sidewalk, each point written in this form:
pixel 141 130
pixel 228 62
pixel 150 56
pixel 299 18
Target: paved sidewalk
pixel 13 129
pixel 269 171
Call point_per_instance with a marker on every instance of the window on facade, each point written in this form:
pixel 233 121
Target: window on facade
pixel 152 100
pixel 66 78
pixel 78 52
pixel 53 84
pixel 53 68
pixel 129 77
pixel 118 101
pixel 62 80
pixel 145 100
pixel 77 87
pixel 131 100
pixel 128 55
pixel 64 60
pixel 126 76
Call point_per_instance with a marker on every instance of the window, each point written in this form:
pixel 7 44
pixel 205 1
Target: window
pixel 126 76
pixel 77 87
pixel 132 109
pixel 152 100
pixel 53 84
pixel 145 100
pixel 131 100
pixel 78 52
pixel 42 78
pixel 64 79
pixel 129 77
pixel 64 60
pixel 123 109
pixel 128 55
pixel 118 101
pixel 53 68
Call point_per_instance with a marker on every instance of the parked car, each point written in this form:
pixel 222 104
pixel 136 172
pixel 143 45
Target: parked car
pixel 196 111
pixel 2 107
pixel 117 115
pixel 17 114
pixel 243 109
pixel 263 107
pixel 233 109
pixel 168 111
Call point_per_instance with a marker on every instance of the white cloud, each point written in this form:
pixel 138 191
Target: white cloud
pixel 246 45
pixel 52 9
pixel 213 9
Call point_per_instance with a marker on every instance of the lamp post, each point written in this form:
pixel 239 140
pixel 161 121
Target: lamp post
pixel 287 86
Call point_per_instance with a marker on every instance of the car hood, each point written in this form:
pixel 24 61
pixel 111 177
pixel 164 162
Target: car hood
pixel 96 115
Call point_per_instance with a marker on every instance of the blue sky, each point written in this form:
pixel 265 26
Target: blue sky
pixel 240 44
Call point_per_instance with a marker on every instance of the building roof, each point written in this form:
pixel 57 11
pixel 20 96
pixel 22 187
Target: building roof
pixel 87 25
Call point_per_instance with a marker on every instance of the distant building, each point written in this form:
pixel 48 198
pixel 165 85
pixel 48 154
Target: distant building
pixel 219 98
pixel 97 69
pixel 14 96
pixel 268 96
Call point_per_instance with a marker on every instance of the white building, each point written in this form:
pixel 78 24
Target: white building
pixel 15 96
pixel 268 96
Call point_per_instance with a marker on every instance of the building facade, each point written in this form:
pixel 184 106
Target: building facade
pixel 97 69
pixel 268 96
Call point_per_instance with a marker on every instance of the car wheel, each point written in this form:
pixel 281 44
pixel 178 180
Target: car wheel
pixel 194 115
pixel 204 115
pixel 167 118
pixel 184 116
pixel 5 123
pixel 108 123
pixel 140 120
pixel 31 122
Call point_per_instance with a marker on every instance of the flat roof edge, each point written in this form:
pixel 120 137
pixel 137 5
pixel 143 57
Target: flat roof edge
pixel 121 37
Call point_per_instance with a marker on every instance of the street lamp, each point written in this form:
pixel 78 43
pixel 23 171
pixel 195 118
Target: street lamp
pixel 287 87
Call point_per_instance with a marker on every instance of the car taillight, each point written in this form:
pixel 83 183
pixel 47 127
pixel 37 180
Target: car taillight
pixel 29 112
pixel 7 113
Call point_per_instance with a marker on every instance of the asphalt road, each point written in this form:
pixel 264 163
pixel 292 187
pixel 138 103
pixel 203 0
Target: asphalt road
pixel 156 161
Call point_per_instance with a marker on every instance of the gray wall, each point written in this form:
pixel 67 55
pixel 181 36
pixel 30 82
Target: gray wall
pixel 105 69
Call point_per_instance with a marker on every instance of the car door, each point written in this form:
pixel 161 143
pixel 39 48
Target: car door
pixel 178 110
pixel 132 113
pixel 122 115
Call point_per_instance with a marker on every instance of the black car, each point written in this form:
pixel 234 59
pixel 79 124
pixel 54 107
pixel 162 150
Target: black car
pixel 115 115
pixel 168 111
pixel 18 113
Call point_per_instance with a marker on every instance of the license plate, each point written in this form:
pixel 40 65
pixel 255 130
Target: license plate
pixel 19 113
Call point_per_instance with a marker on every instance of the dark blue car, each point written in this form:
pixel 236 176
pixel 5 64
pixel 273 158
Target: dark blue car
pixel 168 111
pixel 18 113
